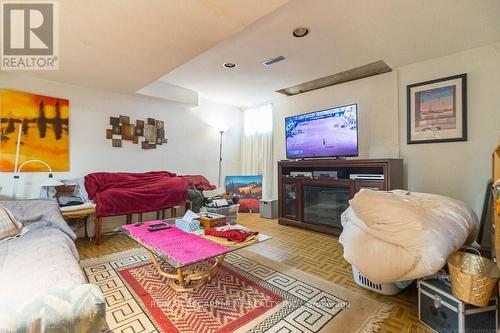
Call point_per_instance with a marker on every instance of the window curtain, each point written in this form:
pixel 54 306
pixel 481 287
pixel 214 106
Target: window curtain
pixel 257 146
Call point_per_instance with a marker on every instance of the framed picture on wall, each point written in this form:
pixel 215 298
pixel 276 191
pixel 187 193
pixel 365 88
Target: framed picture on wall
pixel 437 110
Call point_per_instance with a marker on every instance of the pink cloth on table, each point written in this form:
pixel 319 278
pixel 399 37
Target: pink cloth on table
pixel 184 247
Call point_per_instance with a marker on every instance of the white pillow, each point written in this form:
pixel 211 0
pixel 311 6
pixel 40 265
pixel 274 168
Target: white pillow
pixel 9 226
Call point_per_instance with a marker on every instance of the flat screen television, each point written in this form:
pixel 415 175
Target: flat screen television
pixel 326 133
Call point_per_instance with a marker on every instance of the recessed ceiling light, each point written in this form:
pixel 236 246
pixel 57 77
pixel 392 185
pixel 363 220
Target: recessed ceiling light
pixel 229 65
pixel 300 32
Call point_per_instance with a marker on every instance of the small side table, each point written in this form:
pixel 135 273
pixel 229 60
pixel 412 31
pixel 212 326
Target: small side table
pixel 82 214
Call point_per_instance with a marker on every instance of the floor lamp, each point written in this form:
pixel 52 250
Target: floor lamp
pixel 50 182
pixel 220 158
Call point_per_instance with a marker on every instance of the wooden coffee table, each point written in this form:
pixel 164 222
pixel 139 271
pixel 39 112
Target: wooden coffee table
pixel 186 259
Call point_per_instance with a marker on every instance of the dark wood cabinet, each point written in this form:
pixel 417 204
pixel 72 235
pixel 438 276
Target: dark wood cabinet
pixel 316 203
pixel 290 199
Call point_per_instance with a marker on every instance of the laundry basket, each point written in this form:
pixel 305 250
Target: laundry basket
pixel 381 288
pixel 473 277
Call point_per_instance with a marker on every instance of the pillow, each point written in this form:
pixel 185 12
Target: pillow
pixel 9 226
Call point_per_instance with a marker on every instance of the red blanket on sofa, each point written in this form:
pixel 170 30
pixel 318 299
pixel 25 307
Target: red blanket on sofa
pixel 199 183
pixel 121 193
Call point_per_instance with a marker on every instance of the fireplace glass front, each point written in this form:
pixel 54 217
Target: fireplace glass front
pixel 323 205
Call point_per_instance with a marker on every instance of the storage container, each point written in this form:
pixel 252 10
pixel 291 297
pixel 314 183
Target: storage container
pixel 269 209
pixel 442 312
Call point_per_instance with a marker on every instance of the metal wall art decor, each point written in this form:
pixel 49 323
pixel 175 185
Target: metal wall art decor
pixel 149 132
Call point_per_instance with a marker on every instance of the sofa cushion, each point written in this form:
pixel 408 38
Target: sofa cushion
pixel 9 226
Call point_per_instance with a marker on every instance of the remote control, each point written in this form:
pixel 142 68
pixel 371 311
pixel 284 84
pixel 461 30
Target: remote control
pixel 159 226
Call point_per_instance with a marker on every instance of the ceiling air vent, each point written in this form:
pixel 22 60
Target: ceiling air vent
pixel 375 68
pixel 273 60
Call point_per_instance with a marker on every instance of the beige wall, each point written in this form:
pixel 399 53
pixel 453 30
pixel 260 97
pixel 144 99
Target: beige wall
pixel 458 170
pixel 377 114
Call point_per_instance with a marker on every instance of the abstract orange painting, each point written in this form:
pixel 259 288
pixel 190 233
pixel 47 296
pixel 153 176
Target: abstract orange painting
pixel 44 125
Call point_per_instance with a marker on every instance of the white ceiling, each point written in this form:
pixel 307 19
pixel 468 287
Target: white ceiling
pixel 123 45
pixel 343 34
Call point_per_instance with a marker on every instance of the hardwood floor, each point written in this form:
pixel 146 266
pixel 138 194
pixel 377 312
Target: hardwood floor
pixel 312 252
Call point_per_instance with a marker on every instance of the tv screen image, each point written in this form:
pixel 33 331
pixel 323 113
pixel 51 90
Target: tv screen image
pixel 326 133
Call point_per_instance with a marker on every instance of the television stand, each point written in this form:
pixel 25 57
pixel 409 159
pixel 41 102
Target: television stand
pixel 317 202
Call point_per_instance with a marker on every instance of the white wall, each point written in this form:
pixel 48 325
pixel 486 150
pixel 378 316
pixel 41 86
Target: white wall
pixel 459 170
pixel 377 113
pixel 193 144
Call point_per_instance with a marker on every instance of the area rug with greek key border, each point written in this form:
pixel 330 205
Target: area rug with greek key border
pixel 250 293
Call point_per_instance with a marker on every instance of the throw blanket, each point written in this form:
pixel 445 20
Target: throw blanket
pixel 233 235
pixel 126 193
pixel 199 183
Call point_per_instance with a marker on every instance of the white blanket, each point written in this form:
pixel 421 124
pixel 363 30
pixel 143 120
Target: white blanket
pixel 398 235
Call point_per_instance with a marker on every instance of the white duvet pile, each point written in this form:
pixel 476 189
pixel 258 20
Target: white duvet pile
pixel 399 235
